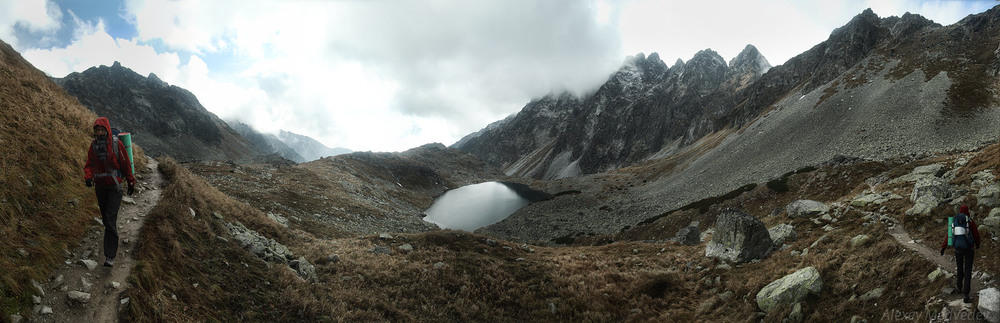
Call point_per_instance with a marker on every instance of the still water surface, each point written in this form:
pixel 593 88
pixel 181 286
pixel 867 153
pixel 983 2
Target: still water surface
pixel 474 206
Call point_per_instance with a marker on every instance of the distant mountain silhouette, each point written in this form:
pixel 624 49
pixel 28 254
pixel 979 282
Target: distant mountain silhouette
pixel 165 119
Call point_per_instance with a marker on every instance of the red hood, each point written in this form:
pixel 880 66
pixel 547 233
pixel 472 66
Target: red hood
pixel 964 209
pixel 103 122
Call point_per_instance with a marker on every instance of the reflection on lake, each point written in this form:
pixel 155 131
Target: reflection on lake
pixel 474 206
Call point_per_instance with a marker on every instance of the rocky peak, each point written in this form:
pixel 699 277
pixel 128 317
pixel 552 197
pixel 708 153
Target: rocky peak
pixel 705 71
pixel 863 23
pixel 642 68
pixel 909 23
pixel 706 59
pixel 749 61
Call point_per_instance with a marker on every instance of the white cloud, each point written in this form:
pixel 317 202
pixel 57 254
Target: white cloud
pixel 380 75
pixel 35 16
pixel 353 72
pixel 92 46
pixel 780 29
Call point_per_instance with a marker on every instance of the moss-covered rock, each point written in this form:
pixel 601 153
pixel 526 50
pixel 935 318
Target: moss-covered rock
pixel 790 289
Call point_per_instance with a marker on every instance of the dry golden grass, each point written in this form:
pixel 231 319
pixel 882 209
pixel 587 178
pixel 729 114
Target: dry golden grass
pixel 44 206
pixel 477 280
pixel 987 159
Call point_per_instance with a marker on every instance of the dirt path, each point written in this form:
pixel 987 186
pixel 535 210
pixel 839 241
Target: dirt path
pixel 104 285
pixel 959 311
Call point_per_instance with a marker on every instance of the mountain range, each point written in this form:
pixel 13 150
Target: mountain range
pixel 169 120
pixel 871 91
pixel 844 161
pixel 648 111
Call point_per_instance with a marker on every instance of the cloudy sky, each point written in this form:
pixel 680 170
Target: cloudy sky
pixel 391 75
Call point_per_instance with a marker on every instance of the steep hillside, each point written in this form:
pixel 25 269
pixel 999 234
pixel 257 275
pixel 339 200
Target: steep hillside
pixel 45 208
pixel 168 119
pixel 900 67
pixel 636 274
pixel 879 108
pixel 643 108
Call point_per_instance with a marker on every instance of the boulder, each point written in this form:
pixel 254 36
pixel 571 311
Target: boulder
pixel 739 237
pixel 983 178
pixel 261 246
pixel 278 218
pixel 806 208
pixel 79 297
pixel 859 240
pixel 864 200
pixel 90 264
pixel 791 289
pixel 872 294
pixel 689 235
pixel 989 195
pixel 934 275
pixel 933 170
pixel 781 233
pixel 927 193
pixel 991 223
pixel 989 304
pixel 380 250
pixel 304 269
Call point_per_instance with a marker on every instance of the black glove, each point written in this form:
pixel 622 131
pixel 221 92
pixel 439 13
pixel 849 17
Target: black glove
pixel 89 182
pixel 131 189
pixel 942 251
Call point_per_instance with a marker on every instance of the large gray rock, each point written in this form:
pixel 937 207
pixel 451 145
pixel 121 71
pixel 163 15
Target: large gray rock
pixel 689 235
pixel 739 237
pixel 989 196
pixel 90 264
pixel 927 193
pixel 992 222
pixel 806 208
pixel 933 170
pixel 989 304
pixel 304 269
pixel 790 289
pixel 261 246
pixel 983 178
pixel 79 297
pixel 781 233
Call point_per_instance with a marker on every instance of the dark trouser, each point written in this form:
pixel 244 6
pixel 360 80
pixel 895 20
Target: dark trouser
pixel 963 259
pixel 109 199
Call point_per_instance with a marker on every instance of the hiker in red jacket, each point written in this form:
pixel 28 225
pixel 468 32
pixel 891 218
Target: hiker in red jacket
pixel 107 161
pixel 966 235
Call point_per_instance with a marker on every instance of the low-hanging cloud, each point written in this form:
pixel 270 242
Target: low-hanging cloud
pixel 390 75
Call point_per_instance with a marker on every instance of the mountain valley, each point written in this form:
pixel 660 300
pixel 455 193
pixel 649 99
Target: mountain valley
pixel 820 163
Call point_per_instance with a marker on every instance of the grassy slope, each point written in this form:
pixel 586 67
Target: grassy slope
pixel 477 280
pixel 44 206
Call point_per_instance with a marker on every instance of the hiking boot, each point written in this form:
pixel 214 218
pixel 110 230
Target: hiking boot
pixel 967 300
pixel 109 262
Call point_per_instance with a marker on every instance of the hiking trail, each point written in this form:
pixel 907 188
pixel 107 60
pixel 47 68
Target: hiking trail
pixel 103 284
pixel 956 310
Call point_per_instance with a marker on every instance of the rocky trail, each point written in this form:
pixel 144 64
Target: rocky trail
pixel 82 290
pixel 956 310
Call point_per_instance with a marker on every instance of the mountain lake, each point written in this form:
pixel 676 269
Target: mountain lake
pixel 475 206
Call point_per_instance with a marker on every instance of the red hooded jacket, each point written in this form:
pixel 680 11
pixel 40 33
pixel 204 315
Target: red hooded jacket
pixel 964 209
pixel 102 161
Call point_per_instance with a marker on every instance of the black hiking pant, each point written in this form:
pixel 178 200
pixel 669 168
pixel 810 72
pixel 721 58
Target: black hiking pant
pixel 963 259
pixel 109 199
